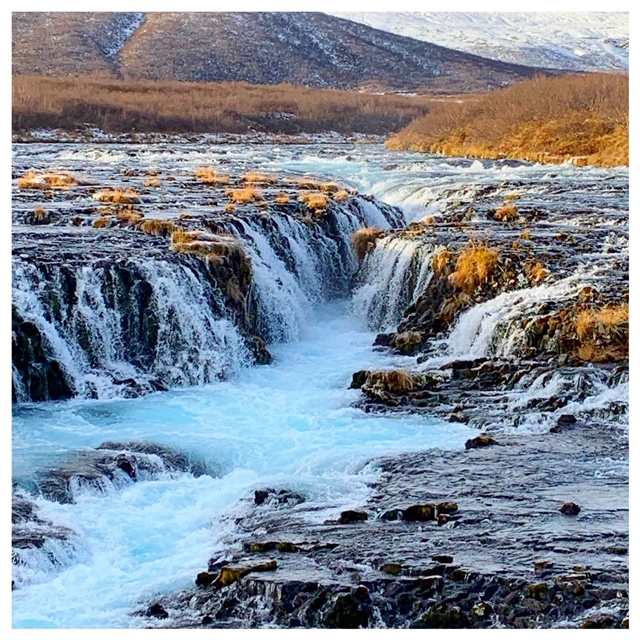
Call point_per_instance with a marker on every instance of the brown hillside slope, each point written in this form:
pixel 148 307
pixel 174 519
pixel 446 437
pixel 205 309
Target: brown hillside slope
pixel 314 49
pixel 543 119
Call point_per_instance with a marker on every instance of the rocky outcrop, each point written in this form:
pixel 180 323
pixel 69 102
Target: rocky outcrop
pixel 447 542
pixel 110 300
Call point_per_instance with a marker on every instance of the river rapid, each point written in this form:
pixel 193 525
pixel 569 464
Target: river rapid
pixel 290 424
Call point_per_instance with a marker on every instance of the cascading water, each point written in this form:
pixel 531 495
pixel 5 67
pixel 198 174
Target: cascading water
pixel 290 424
pixel 393 276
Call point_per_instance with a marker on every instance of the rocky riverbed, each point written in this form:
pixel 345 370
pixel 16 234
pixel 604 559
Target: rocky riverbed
pixel 500 303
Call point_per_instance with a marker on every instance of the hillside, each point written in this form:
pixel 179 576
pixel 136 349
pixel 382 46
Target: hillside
pixel 314 49
pixel 581 41
pixel 580 118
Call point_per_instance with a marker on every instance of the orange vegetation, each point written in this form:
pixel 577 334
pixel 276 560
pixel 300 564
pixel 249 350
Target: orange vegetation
pixel 244 196
pixel 506 213
pixel 315 201
pixel 583 119
pixel 118 196
pixel 364 240
pixel 473 268
pixel 210 176
pixel 125 105
pixel 32 180
pixel 156 227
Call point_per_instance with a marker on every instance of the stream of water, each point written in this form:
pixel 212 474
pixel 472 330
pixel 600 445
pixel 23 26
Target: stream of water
pixel 288 425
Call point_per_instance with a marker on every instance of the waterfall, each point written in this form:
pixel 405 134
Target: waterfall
pixel 393 276
pixel 121 326
pixel 492 328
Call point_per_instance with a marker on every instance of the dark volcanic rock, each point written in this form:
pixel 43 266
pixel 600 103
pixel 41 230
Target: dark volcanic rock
pixel 570 509
pixel 479 442
pixel 349 517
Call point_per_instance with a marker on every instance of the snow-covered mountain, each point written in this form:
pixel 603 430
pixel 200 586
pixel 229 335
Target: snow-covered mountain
pixel 589 41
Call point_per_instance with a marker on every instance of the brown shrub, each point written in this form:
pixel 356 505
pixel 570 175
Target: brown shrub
pixel 124 105
pixel 101 223
pixel 118 196
pixel 506 213
pixel 441 261
pixel 155 227
pixel 473 268
pixel 152 182
pixel 536 270
pixel 32 180
pixel 408 341
pixel 364 240
pixel 210 176
pixel 395 380
pixel 213 247
pixel 315 201
pixel 545 119
pixel 244 196
pixel 254 177
pixel 129 215
pixel 612 319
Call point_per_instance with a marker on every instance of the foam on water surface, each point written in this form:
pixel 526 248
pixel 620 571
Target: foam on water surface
pixel 288 424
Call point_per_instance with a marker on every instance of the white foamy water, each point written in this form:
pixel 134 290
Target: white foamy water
pixel 288 424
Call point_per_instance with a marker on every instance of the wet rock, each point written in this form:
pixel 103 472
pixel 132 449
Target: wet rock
pixel 538 591
pixel 392 514
pixel 442 616
pixel 479 442
pixel 347 612
pixel 383 339
pixel 392 568
pixel 482 609
pixel 442 558
pixel 570 509
pixel 420 513
pixel 566 419
pixel 206 620
pixel 349 517
pixel 359 378
pixel 156 610
pixel 447 507
pixel 620 551
pixel 281 498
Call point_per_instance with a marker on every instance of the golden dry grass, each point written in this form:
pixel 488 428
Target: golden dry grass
pixel 282 198
pixel 124 105
pixel 210 176
pixel 253 177
pixel 364 240
pixel 315 201
pixel 395 381
pixel 579 118
pixel 229 208
pixel 474 267
pixel 407 341
pixel 101 223
pixel 525 235
pixel 342 195
pixel 153 182
pixel 156 227
pixel 536 270
pixel 129 215
pixel 441 261
pixel 40 213
pixel 506 213
pixel 32 180
pixel 118 196
pixel 214 247
pixel 244 196
pixel 605 320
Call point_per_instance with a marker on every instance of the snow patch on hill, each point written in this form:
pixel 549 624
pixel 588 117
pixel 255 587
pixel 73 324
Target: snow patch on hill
pixel 587 41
